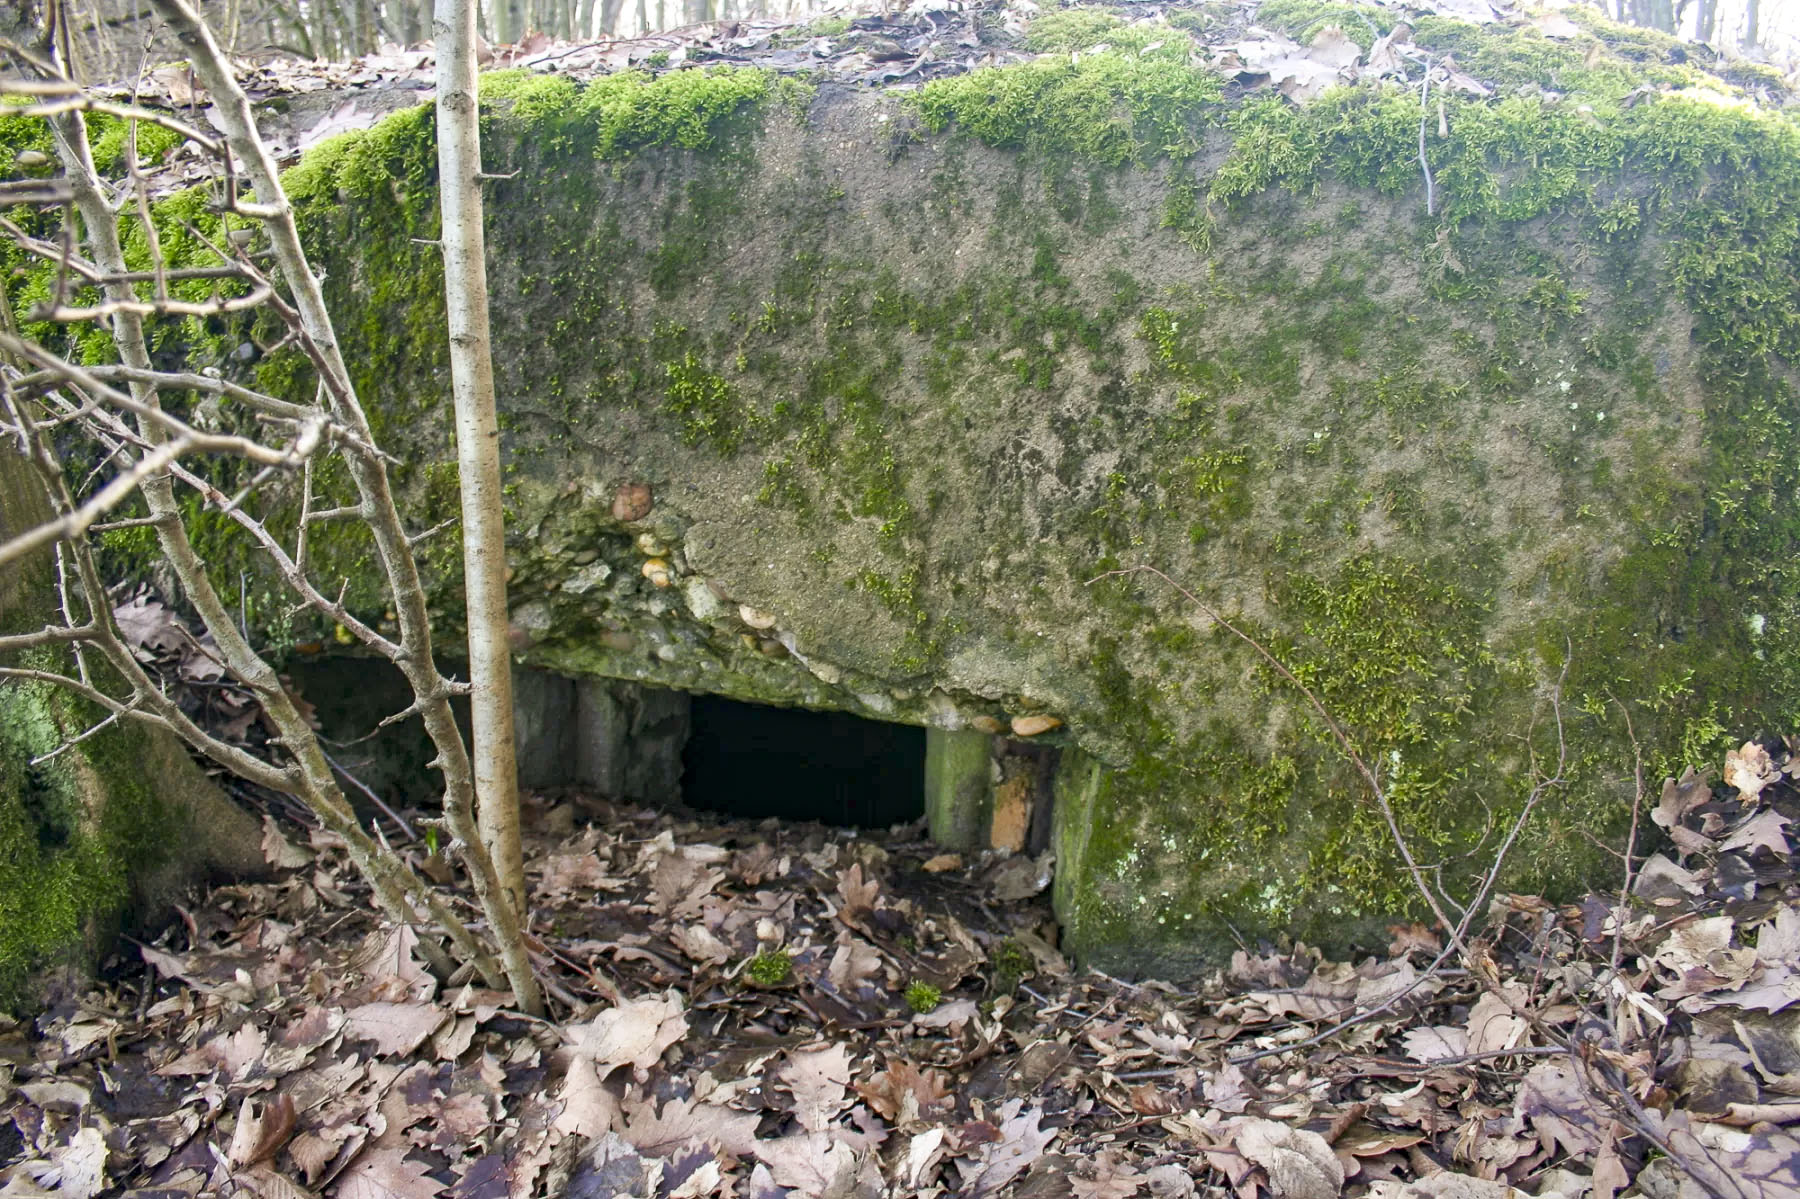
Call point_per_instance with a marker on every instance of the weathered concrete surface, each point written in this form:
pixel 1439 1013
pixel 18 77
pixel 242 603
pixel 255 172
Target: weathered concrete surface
pixel 854 401
pixel 105 834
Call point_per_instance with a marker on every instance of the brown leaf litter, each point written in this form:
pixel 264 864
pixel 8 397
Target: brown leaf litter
pixel 282 1043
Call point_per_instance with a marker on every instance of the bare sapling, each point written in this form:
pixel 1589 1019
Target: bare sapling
pixel 477 443
pixel 146 453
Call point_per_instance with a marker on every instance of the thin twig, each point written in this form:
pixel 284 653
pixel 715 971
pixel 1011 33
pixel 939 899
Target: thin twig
pixel 1424 164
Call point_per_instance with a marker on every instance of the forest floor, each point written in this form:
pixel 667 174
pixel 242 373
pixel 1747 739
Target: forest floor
pixel 764 1010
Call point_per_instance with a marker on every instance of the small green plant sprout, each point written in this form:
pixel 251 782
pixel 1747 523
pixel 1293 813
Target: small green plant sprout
pixel 770 968
pixel 922 997
pixel 1012 965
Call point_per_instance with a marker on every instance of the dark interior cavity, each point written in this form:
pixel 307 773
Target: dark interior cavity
pixel 750 762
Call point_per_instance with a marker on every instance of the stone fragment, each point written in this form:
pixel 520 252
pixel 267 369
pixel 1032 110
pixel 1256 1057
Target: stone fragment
pixel 587 578
pixel 657 571
pixel 632 501
pixel 1011 819
pixel 985 724
pixel 701 601
pixel 528 623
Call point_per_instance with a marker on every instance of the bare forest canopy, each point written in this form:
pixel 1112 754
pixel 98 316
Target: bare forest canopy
pixel 110 39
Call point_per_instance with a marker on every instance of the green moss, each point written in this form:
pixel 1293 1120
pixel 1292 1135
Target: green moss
pixel 619 114
pixel 1302 20
pixel 771 968
pixel 922 997
pixel 707 406
pixel 1072 29
pixel 79 832
pixel 1012 964
pixel 1110 108
pixel 54 873
pixel 1183 212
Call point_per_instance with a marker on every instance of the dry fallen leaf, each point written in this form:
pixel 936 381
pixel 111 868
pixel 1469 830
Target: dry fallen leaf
pixel 681 1122
pixel 1749 769
pixel 635 1032
pixel 387 1174
pixel 1020 1143
pixel 76 1170
pixel 1298 1163
pixel 818 1079
pixel 396 1028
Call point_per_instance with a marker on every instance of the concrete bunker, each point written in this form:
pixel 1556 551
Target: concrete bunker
pixel 847 399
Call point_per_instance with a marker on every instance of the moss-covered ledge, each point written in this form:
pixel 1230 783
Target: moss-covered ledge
pixel 102 835
pixel 850 400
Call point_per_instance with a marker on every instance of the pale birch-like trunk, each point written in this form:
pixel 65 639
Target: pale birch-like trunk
pixel 477 445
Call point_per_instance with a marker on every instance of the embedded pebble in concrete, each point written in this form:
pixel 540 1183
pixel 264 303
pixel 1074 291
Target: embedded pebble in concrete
pixel 1031 726
pixel 587 578
pixel 632 501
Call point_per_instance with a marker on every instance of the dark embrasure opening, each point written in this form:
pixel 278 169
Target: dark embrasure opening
pixel 750 762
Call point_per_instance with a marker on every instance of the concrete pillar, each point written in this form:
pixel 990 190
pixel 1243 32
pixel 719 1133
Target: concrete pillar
pixel 959 795
pixel 542 729
pixel 628 739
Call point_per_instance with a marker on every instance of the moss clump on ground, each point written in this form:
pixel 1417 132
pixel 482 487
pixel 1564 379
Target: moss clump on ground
pixel 923 997
pixel 58 872
pixel 772 968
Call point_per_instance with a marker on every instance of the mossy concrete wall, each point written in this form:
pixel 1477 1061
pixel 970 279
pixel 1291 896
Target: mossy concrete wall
pixel 856 400
pixel 106 833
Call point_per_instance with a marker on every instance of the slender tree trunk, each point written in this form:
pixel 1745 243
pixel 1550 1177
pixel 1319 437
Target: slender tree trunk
pixel 1752 24
pixel 393 548
pixel 478 461
pixel 1706 24
pixel 509 20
